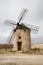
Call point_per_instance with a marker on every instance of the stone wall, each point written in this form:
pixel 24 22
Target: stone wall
pixel 25 39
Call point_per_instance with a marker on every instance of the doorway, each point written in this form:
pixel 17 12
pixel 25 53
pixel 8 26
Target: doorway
pixel 19 45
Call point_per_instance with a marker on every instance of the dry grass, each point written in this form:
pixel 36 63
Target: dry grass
pixel 37 45
pixel 7 49
pixel 32 51
pixel 37 52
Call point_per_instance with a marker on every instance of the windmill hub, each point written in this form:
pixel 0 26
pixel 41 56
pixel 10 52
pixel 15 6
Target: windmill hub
pixel 17 24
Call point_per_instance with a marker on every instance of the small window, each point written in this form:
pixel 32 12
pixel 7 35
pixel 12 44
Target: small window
pixel 19 37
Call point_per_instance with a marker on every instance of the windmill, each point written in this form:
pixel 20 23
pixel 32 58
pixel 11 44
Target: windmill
pixel 21 32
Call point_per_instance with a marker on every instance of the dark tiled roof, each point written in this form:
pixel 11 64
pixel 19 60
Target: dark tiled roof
pixel 21 26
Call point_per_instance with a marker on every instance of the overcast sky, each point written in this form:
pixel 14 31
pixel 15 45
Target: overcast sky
pixel 10 9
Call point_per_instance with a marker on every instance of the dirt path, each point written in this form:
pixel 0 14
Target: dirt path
pixel 22 59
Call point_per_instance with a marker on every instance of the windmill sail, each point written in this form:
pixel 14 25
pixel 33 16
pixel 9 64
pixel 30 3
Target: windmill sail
pixel 10 22
pixel 33 28
pixel 10 36
pixel 22 14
